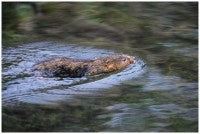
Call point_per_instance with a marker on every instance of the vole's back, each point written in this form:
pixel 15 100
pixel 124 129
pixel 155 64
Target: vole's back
pixel 64 67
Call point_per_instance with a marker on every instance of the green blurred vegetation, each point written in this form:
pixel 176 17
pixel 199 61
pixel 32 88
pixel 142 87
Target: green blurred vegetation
pixel 115 14
pixel 76 20
pixel 48 8
pixel 12 16
pixel 109 22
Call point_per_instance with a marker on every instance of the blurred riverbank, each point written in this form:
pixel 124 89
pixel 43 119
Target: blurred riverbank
pixel 99 23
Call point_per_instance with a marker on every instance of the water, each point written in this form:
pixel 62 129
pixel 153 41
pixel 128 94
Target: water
pixel 142 97
pixel 28 86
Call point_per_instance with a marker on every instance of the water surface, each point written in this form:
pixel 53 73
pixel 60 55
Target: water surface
pixel 145 96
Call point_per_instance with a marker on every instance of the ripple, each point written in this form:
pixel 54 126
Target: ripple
pixel 23 86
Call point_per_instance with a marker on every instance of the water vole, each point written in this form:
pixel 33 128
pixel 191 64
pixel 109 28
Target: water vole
pixel 67 67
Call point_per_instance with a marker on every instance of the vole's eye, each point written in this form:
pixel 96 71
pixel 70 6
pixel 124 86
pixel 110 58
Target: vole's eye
pixel 124 59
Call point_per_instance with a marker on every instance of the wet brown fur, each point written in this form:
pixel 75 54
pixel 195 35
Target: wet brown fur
pixel 77 68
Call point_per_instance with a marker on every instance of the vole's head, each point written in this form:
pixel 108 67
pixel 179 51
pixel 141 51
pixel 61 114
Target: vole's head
pixel 120 61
